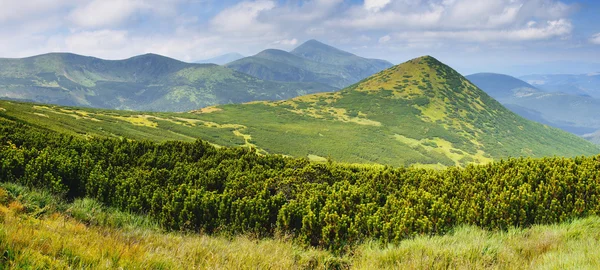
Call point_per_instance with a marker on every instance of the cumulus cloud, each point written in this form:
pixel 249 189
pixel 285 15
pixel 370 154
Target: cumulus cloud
pixel 102 13
pixel 21 10
pixel 385 39
pixel 533 32
pixel 595 39
pixel 449 14
pixel 287 42
pixel 243 17
pixel 375 5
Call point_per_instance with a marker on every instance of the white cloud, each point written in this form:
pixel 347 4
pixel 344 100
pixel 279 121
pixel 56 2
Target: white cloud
pixel 595 39
pixel 102 13
pixel 385 39
pixel 448 14
pixel 549 30
pixel 97 42
pixel 243 18
pixel 287 42
pixel 21 10
pixel 375 5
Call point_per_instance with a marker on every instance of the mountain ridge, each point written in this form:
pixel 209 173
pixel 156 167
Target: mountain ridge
pixel 143 82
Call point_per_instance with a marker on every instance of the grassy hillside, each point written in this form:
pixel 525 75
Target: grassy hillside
pixel 38 230
pixel 310 62
pixel 421 112
pixel 146 82
pixel 573 113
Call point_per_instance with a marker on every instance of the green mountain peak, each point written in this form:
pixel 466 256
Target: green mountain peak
pixel 421 111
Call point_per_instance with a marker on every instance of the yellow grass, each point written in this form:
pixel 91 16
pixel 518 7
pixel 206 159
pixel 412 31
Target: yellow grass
pixel 57 241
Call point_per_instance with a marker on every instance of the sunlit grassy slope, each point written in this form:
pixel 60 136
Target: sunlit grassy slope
pixel 39 231
pixel 420 112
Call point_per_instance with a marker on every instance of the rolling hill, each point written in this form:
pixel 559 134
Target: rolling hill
pixel 312 61
pixel 574 113
pixel 147 82
pixel 421 112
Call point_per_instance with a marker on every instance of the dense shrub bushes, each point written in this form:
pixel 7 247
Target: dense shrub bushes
pixel 194 186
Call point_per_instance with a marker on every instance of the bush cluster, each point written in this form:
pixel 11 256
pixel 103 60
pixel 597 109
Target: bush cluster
pixel 196 187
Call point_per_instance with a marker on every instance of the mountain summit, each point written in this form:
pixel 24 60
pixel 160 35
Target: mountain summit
pixel 418 112
pixel 318 51
pixel 312 61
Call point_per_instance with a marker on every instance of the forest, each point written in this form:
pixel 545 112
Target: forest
pixel 196 187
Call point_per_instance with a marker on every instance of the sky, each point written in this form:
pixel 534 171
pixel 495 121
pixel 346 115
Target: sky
pixel 516 37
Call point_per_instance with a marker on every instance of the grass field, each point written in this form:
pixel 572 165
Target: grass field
pixel 37 230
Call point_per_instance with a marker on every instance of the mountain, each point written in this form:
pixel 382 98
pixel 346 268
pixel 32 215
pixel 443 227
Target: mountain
pixel 582 84
pixel 310 62
pixel 146 82
pixel 501 86
pixel 222 59
pixel 325 54
pixel 573 113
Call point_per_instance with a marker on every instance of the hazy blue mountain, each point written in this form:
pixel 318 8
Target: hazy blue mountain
pixel 574 113
pixel 582 84
pixel 323 53
pixel 145 82
pixel 501 86
pixel 312 61
pixel 222 59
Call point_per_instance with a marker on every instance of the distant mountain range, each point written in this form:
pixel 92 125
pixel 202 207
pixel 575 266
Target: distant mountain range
pixel 222 59
pixel 421 112
pixel 147 82
pixel 575 113
pixel 312 61
pixel 582 84
pixel 156 83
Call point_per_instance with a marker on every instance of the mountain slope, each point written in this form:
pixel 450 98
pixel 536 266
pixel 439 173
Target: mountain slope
pixel 310 62
pixel 146 82
pixel 573 113
pixel 222 59
pixel 420 112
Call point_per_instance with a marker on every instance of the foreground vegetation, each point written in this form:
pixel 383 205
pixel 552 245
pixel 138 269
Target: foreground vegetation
pixel 196 187
pixel 39 230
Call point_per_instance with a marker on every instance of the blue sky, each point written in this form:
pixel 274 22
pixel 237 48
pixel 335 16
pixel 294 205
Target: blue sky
pixel 509 36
